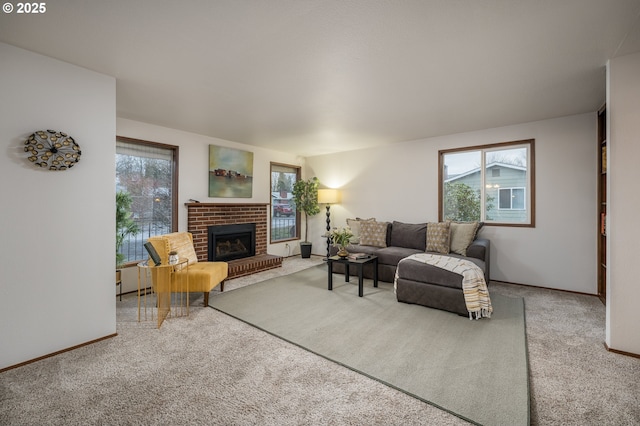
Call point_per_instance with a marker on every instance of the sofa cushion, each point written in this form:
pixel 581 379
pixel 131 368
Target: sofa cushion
pixel 373 233
pixel 438 235
pixel 462 235
pixel 409 235
pixel 392 255
pixel 354 225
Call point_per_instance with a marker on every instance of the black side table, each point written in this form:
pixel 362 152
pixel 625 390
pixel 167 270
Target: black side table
pixel 359 263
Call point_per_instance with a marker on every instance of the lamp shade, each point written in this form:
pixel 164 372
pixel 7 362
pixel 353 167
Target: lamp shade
pixel 328 196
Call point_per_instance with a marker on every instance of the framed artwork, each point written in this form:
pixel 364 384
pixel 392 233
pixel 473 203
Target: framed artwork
pixel 230 172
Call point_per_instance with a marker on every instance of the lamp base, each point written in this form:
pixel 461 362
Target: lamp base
pixel 328 229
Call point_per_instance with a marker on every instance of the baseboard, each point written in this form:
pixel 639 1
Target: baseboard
pixel 31 361
pixel 615 351
pixel 546 288
pixel 147 290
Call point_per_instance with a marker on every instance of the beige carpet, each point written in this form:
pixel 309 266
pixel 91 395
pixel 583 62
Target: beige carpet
pixel 210 369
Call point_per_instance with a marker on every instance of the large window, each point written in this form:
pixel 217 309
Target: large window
pixel 284 217
pixel 148 172
pixel 490 183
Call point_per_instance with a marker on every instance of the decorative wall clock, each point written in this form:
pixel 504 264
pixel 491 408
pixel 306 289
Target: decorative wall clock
pixel 52 150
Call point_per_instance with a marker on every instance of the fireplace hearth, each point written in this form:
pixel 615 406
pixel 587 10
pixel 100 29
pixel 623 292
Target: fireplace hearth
pixel 230 242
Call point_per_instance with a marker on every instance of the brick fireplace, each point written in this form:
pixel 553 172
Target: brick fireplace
pixel 200 216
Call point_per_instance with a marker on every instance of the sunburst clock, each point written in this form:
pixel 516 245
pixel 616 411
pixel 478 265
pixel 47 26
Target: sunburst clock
pixel 52 150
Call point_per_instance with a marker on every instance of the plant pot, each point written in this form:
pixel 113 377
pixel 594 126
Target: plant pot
pixel 305 250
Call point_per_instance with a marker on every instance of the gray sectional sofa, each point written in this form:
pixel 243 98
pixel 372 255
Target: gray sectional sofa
pixel 420 283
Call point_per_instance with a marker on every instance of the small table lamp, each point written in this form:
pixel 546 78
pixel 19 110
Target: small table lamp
pixel 328 197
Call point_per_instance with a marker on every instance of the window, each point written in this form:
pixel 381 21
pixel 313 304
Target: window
pixel 490 183
pixel 284 217
pixel 148 172
pixel 512 198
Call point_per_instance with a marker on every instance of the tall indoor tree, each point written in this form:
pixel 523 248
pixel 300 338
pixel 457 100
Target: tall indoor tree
pixel 305 197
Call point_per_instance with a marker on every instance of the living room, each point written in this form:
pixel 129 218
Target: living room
pixel 57 289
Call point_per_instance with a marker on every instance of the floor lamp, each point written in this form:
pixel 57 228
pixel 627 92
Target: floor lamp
pixel 328 197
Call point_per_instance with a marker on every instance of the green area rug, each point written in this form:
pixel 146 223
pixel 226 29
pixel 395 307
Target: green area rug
pixel 476 370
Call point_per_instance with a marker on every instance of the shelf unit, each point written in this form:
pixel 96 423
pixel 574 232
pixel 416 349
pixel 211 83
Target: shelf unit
pixel 603 146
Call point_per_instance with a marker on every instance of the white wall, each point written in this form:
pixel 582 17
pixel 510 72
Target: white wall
pixel 400 182
pixel 194 171
pixel 57 280
pixel 623 288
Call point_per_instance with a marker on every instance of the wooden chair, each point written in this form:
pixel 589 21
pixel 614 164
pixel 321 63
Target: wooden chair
pixel 203 276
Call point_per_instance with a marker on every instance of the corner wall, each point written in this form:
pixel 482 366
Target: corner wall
pixel 400 182
pixel 623 286
pixel 57 229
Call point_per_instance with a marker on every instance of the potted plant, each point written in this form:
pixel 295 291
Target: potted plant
pixel 305 197
pixel 125 226
pixel 341 238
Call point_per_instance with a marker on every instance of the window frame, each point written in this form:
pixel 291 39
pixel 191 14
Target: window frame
pixel 298 216
pixel 174 181
pixel 529 199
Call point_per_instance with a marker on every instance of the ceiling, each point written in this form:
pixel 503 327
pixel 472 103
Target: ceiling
pixel 312 77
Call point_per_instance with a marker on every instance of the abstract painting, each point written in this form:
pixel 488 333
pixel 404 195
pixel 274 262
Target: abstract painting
pixel 230 172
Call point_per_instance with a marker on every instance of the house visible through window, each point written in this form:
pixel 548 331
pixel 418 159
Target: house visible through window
pixel 147 171
pixel 490 183
pixel 284 217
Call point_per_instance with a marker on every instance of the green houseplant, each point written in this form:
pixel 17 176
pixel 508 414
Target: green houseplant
pixel 305 197
pixel 125 225
pixel 341 238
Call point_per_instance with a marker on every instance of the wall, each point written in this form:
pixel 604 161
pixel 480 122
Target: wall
pixel 193 174
pixel 623 289
pixel 400 182
pixel 57 284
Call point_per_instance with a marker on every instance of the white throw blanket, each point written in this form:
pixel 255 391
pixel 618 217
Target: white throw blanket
pixel 474 287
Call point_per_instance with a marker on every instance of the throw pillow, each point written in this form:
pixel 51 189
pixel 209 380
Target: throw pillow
pixel 409 235
pixel 181 243
pixel 438 235
pixel 373 233
pixel 354 224
pixel 462 235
